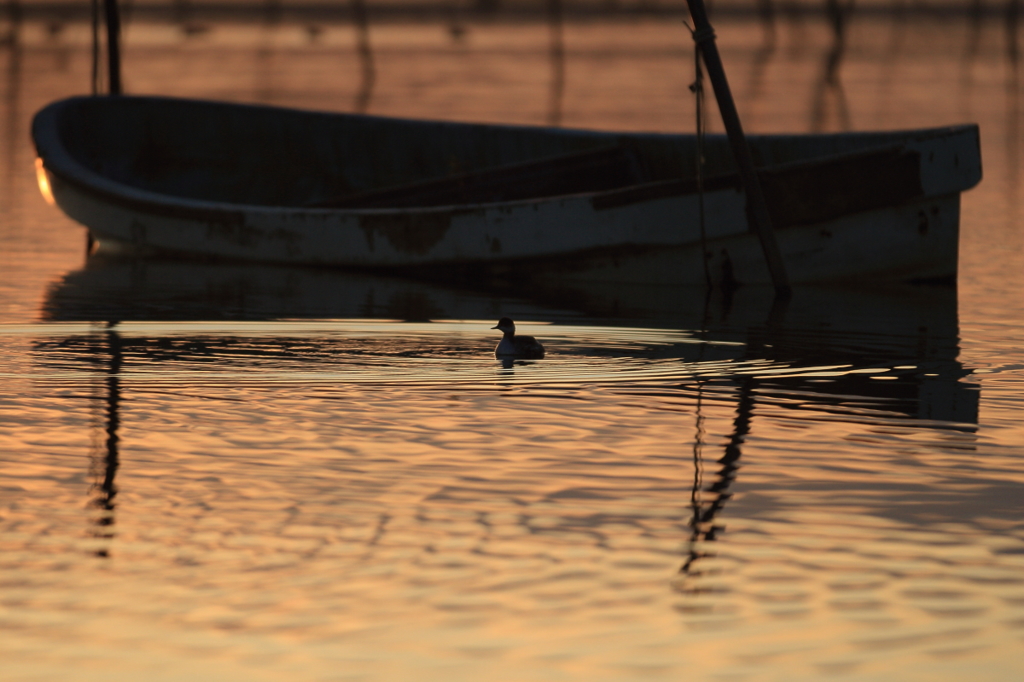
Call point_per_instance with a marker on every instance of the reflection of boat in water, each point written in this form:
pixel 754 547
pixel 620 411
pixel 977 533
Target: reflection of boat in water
pixel 149 289
pixel 822 353
pixel 265 184
pixel 869 331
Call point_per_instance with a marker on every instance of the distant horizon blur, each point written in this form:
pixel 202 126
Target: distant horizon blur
pixel 388 10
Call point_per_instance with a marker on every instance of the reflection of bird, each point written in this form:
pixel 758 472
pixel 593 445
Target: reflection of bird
pixel 512 346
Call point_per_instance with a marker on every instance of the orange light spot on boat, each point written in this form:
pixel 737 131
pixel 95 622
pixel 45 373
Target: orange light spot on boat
pixel 44 182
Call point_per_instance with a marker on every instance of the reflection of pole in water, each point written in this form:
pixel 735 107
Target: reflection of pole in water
pixel 766 11
pixel 696 502
pixel 970 55
pixel 265 52
pixel 799 43
pixel 1012 106
pixel 897 33
pixel 702 521
pixel 12 99
pixel 456 26
pixel 106 469
pixel 762 58
pixel 95 84
pixel 556 55
pixel 1012 22
pixel 61 50
pixel 368 74
pixel 183 17
pixel 829 84
pixel 182 12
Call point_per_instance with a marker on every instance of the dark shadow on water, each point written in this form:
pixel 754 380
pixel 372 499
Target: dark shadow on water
pixel 909 332
pixel 141 289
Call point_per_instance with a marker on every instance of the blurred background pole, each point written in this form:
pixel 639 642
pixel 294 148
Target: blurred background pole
pixel 113 20
pixel 757 209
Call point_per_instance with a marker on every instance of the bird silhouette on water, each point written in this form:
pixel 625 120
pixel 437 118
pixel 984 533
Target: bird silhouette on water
pixel 516 347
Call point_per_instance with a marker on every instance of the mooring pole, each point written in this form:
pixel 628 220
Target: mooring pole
pixel 113 20
pixel 757 209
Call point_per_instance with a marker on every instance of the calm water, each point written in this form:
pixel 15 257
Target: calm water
pixel 271 473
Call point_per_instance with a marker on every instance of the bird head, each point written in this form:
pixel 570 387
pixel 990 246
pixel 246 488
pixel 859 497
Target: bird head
pixel 506 325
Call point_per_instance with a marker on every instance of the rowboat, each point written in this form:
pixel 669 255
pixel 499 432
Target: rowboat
pixel 215 180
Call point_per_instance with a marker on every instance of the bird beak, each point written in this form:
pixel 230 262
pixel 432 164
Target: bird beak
pixel 495 327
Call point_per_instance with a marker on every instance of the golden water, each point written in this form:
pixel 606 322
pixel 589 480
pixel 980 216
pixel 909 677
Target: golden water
pixel 276 474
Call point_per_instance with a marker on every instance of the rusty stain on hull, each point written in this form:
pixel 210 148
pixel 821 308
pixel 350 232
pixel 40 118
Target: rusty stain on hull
pixel 411 233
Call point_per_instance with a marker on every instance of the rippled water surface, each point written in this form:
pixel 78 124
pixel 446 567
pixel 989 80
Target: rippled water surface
pixel 223 472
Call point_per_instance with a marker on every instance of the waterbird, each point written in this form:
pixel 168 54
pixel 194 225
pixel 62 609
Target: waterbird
pixel 512 346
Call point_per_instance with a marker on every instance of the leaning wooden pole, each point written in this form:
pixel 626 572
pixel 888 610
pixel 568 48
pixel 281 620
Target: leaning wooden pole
pixel 113 21
pixel 757 209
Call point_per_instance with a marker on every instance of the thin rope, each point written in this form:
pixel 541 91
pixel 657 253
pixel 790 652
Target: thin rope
pixel 95 47
pixel 703 35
